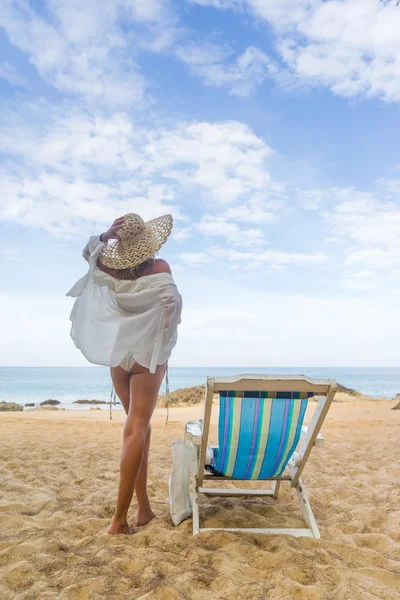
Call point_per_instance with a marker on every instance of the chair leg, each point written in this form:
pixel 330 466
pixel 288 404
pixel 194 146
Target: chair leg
pixel 195 506
pixel 275 489
pixel 306 509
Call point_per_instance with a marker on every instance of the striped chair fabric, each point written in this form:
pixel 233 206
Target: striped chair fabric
pixel 257 433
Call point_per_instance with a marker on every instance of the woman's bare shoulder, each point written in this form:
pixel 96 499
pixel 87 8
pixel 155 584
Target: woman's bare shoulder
pixel 161 266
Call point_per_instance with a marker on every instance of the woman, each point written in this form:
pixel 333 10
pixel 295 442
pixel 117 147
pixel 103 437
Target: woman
pixel 125 316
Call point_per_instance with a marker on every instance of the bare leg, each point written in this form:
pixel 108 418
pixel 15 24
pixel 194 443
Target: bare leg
pixel 143 388
pixel 120 379
pixel 144 513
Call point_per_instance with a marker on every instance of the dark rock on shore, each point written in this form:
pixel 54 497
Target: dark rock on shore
pixel 90 402
pixel 50 402
pixel 10 406
pixel 30 404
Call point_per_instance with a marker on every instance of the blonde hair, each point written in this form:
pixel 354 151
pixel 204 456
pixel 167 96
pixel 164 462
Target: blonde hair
pixel 133 273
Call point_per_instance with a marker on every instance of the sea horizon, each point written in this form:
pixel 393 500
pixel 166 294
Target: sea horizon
pixel 92 382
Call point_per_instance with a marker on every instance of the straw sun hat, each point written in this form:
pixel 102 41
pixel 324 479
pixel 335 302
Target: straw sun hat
pixel 137 241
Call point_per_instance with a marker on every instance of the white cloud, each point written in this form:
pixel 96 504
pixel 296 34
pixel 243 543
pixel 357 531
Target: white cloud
pixel 146 10
pixel 73 141
pixel 195 258
pixel 251 259
pixel 11 253
pixel 74 174
pixel 51 202
pixel 275 258
pixel 218 3
pixel 255 258
pixel 210 64
pixel 69 171
pixel 369 225
pixel 366 220
pixel 351 47
pixel 374 229
pixel 198 54
pixel 8 73
pixel 221 227
pixel 81 48
pixel 311 199
pixel 181 234
pixel 226 159
pixel 261 208
pixel 375 258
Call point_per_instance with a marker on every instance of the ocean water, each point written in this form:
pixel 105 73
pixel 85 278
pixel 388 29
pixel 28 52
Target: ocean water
pixel 67 384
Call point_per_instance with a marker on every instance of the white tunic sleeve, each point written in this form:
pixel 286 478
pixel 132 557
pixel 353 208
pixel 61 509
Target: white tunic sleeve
pixel 90 253
pixel 93 248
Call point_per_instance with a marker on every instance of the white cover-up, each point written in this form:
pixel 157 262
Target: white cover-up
pixel 111 317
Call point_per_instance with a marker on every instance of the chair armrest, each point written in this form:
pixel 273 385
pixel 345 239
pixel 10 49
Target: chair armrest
pixel 319 442
pixel 194 433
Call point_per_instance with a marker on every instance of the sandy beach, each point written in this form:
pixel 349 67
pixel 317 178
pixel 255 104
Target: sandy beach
pixel 59 472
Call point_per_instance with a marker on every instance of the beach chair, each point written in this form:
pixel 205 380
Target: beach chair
pixel 260 426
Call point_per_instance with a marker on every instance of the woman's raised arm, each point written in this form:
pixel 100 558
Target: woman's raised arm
pixel 112 233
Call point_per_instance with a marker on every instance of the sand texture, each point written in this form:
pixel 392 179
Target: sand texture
pixel 59 473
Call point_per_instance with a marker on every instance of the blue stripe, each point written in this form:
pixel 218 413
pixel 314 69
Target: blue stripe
pixel 245 437
pixel 221 440
pixel 297 436
pixel 227 436
pixel 274 438
pixel 255 437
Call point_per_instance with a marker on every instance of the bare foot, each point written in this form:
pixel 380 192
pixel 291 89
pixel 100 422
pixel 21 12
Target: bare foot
pixel 144 517
pixel 120 528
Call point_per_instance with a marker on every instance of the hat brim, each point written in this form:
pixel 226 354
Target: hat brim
pixel 118 255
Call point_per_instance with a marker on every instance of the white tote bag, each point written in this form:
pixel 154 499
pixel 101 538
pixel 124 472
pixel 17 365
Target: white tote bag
pixel 184 462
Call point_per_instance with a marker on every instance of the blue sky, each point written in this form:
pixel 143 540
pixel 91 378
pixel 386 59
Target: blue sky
pixel 268 128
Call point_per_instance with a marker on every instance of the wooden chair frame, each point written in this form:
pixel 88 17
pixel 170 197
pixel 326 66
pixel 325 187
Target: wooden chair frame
pixel 325 388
